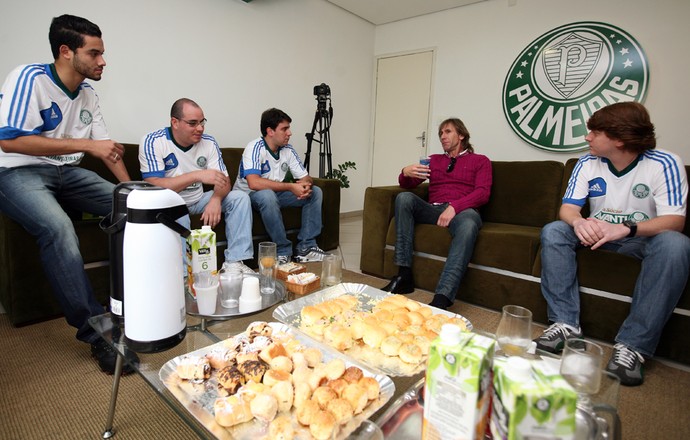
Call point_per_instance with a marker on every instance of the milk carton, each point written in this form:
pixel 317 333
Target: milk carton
pixel 531 400
pixel 457 391
pixel 201 254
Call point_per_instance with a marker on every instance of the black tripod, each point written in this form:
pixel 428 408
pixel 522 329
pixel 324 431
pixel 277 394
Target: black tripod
pixel 321 126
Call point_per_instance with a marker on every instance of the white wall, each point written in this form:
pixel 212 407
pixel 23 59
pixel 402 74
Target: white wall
pixel 477 44
pixel 234 59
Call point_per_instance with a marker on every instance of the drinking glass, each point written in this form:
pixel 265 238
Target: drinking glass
pixel 230 287
pixel 581 367
pixel 514 333
pixel 267 266
pixel 331 270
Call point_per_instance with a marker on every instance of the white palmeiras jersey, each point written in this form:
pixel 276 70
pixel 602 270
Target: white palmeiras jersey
pixel 34 101
pixel 258 159
pixel 654 185
pixel 161 156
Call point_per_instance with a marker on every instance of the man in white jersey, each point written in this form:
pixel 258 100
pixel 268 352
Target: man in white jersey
pixel 50 118
pixel 637 199
pixel 182 158
pixel 267 163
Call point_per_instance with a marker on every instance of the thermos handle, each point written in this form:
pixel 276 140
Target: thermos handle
pixel 172 224
pixel 111 228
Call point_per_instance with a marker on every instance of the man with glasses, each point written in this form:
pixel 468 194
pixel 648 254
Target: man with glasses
pixel 459 183
pixel 182 158
pixel 50 118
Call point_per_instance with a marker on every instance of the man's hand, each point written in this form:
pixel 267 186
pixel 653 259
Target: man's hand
pixel 446 216
pixel 212 213
pixel 594 233
pixel 417 171
pixel 301 189
pixel 108 150
pixel 213 177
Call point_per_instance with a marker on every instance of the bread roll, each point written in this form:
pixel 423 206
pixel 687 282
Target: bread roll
pixel 410 353
pixel 338 337
pixel 264 407
pixel 391 345
pixel 401 319
pixel 390 327
pixel 310 315
pixel 372 386
pixel 301 374
pixel 352 374
pixel 337 385
pixel 281 429
pixel 357 395
pixel 373 336
pixel 322 425
pixel 284 394
pixel 307 411
pixel 412 305
pixel 282 363
pixel 231 411
pixel 298 360
pixel 322 395
pixel 423 343
pixel 415 318
pixel 341 409
pixel 335 368
pixel 272 351
pixel 425 311
pixel 302 394
pixel 357 329
pixel 313 356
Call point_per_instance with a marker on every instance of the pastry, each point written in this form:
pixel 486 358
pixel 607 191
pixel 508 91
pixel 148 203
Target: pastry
pixel 338 336
pixel 410 353
pixel 232 410
pixel 313 356
pixel 301 374
pixel 259 329
pixel 311 315
pixel 284 394
pixel 194 368
pixel 264 407
pixel 272 377
pixel 220 357
pixel 273 350
pixel 341 409
pixel 302 392
pixel 281 429
pixel 243 357
pixel 373 336
pixel 391 345
pixel 357 396
pixel 282 363
pixel 353 374
pixel 322 425
pixel 307 411
pixel 231 379
pixel 252 370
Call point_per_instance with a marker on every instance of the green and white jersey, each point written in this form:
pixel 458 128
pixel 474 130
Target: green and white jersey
pixel 257 158
pixel 161 156
pixel 654 185
pixel 33 101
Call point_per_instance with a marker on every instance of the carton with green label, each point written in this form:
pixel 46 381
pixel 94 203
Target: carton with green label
pixel 201 254
pixel 531 400
pixel 457 391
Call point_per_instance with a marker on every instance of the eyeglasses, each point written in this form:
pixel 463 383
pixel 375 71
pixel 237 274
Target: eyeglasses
pixel 451 165
pixel 194 124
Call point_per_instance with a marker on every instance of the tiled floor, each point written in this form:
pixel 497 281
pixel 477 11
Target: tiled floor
pixel 351 241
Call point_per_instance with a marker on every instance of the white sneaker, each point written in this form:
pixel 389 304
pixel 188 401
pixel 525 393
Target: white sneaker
pixel 237 266
pixel 313 253
pixel 283 259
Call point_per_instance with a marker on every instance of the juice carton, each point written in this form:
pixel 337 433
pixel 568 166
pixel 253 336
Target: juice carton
pixel 201 254
pixel 531 400
pixel 457 391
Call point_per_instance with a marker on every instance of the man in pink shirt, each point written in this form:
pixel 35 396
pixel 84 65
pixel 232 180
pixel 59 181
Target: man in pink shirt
pixel 459 183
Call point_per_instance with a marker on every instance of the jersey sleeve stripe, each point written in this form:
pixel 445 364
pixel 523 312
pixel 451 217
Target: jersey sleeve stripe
pixel 671 174
pixel 221 164
pixel 21 98
pixel 150 151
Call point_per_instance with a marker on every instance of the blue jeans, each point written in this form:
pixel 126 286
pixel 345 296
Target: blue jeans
pixel 34 197
pixel 464 228
pixel 237 213
pixel 665 266
pixel 268 203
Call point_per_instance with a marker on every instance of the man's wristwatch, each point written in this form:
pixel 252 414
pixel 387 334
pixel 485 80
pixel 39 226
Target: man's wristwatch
pixel 633 227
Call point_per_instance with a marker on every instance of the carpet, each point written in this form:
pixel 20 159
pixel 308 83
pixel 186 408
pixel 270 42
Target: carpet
pixel 51 388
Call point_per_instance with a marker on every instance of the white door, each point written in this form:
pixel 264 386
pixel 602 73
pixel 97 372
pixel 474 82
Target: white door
pixel 403 91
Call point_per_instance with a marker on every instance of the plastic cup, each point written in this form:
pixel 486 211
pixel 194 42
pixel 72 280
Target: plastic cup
pixel 267 266
pixel 230 288
pixel 331 270
pixel 206 297
pixel 424 160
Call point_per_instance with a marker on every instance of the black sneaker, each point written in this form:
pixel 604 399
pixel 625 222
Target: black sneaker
pixel 553 338
pixel 626 364
pixel 313 253
pixel 441 301
pixel 106 356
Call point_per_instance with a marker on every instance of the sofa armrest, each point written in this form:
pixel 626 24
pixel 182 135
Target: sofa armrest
pixel 379 209
pixel 330 213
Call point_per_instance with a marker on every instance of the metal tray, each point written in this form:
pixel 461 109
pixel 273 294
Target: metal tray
pixel 289 313
pixel 198 399
pixel 267 301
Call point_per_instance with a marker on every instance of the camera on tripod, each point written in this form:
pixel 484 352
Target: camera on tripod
pixel 322 93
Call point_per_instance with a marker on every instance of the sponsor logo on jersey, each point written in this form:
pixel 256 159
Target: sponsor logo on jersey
pixel 201 161
pixel 85 117
pixel 640 190
pixel 619 217
pixel 564 76
pixel 170 161
pixel 597 187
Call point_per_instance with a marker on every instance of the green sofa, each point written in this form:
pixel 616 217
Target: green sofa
pixel 506 266
pixel 24 290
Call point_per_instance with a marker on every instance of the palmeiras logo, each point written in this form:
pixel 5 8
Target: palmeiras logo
pixel 85 117
pixel 564 76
